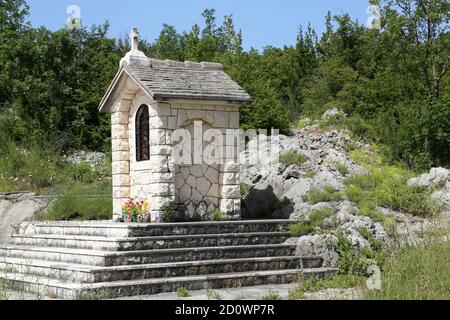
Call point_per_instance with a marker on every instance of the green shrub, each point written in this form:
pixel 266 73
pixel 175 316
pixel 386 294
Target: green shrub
pixel 76 201
pixel 245 190
pixel 291 158
pixel 213 295
pixel 390 226
pixel 83 173
pixel 310 174
pixel 329 194
pixel 315 221
pixel 352 261
pixel 183 293
pixel 300 229
pixel 168 215
pixel 317 217
pixel 218 215
pixel 386 187
pixel 342 169
pixel 331 122
pixel 355 194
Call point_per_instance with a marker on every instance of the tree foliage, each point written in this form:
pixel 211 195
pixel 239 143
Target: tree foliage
pixel 394 81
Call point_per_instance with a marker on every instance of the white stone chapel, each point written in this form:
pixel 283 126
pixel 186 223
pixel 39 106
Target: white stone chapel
pixel 175 129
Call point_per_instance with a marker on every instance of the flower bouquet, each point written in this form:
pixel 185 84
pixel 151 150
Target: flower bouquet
pixel 136 211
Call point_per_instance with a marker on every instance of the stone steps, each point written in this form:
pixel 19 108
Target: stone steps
pixel 109 229
pixel 147 243
pixel 88 274
pixel 75 258
pixel 66 290
pixel 106 258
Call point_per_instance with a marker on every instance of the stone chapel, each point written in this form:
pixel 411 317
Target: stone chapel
pixel 152 102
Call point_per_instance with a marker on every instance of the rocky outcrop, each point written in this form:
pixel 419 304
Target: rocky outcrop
pixel 95 159
pixel 327 164
pixel 438 179
pixel 16 208
pixel 277 190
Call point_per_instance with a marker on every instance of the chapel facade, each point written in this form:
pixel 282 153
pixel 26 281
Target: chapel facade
pixel 175 130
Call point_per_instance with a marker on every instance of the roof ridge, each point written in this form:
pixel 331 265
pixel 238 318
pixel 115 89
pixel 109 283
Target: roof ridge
pixel 151 62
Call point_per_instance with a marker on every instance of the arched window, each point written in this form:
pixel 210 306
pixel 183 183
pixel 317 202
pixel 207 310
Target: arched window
pixel 142 134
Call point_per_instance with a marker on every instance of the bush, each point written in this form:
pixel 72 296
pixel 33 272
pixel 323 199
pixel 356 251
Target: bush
pixel 352 261
pixel 329 194
pixel 183 293
pixel 315 221
pixel 75 201
pixel 168 215
pixel 332 121
pixel 218 215
pixel 293 158
pixel 342 169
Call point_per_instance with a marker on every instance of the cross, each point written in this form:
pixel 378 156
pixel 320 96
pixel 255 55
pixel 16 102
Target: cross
pixel 134 39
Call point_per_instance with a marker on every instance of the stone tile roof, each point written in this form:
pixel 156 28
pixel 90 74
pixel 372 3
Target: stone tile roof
pixel 165 80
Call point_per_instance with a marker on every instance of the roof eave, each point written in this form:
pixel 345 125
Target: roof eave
pixel 168 97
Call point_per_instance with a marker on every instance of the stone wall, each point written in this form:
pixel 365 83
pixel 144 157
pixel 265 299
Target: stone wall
pixel 197 189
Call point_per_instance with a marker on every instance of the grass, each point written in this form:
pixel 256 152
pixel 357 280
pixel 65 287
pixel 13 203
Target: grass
pixel 314 284
pixel 385 186
pixel 310 174
pixel 218 215
pixel 328 194
pixel 343 169
pixel 183 293
pixel 213 295
pixel 271 296
pixel 78 202
pixel 314 223
pixel 293 158
pixel 40 167
pixel 417 273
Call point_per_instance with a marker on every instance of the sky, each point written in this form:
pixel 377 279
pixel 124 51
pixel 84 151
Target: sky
pixel 263 22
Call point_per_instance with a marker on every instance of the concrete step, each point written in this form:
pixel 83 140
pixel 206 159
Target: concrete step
pixel 110 229
pixel 65 290
pixel 87 274
pixel 148 243
pixel 118 258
